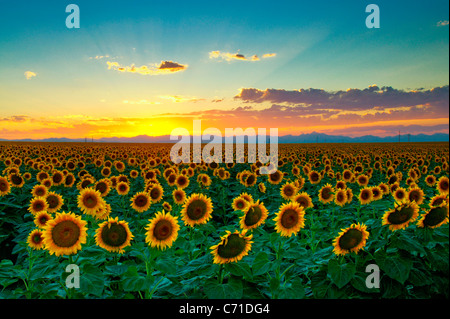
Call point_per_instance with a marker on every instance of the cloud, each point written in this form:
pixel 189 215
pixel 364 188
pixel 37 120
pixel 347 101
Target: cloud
pixel 29 74
pixel 373 97
pixel 165 67
pixel 442 23
pixel 178 98
pixel 227 56
pixel 99 57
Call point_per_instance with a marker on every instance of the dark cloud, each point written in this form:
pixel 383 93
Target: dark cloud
pixel 351 99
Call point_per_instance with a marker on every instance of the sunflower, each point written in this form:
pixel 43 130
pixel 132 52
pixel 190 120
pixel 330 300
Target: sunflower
pixel 204 180
pixel 182 181
pixel 262 187
pixel 365 196
pixel 430 180
pixel 401 215
pixel 326 194
pixel 377 193
pixel 69 180
pixel 443 185
pixel 156 193
pixel 38 204
pixel 103 186
pixel 435 217
pixel 250 180
pixel 57 178
pixel 162 230
pixel 122 188
pixel 54 201
pixel 35 239
pixel 363 180
pixel 288 191
pixel 5 188
pixel 314 177
pixel 179 196
pixel 140 202
pixel 16 180
pixel 196 210
pixel 232 247
pixel 399 194
pixel 347 175
pixel 113 235
pixel 247 197
pixel 438 200
pixel 239 203
pixel 90 201
pixel 289 219
pixel 167 207
pixel 340 198
pixel 275 178
pixel 254 215
pixel 64 234
pixel 415 194
pixel 351 239
pixel 39 191
pixel 384 188
pixel 41 218
pixel 103 212
pixel 304 200
pixel 349 192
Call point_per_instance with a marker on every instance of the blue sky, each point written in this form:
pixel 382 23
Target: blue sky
pixel 321 45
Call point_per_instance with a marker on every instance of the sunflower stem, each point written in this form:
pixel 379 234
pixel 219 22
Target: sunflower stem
pixel 220 275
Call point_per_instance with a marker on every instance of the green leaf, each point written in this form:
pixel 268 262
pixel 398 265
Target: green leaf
pixel 292 290
pixel 261 264
pixel 340 274
pixel 320 284
pixel 359 282
pixel 395 266
pixel 166 265
pixel 231 290
pixel 133 281
pixel 408 243
pixel 239 269
pixel 91 280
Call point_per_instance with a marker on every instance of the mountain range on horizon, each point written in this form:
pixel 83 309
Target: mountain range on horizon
pixel 313 137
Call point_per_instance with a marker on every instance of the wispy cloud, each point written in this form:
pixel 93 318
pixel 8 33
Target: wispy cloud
pixel 165 67
pixel 29 74
pixel 227 56
pixel 178 98
pixel 442 23
pixel 98 57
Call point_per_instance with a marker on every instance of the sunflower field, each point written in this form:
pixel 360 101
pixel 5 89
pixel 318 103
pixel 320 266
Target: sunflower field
pixel 129 223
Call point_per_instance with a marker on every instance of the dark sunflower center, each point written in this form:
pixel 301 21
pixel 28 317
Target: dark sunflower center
pixel 85 183
pixel 16 179
pixel 178 196
pixel 65 233
pixel 365 195
pixel 90 201
pixel 3 186
pixel 314 177
pixel 253 216
pixel 302 201
pixel 115 235
pixel 181 181
pixel 340 197
pixel 435 216
pixel 140 201
pixel 288 191
pixel 57 178
pixel 240 204
pixel 39 192
pixel 52 201
pixel 69 180
pixel 37 206
pixel 400 216
pixel 235 245
pixel 37 239
pixel 275 176
pixel 326 193
pixel 444 185
pixel 289 218
pixel 414 195
pixel 196 209
pixel 43 220
pixel 400 194
pixel 250 180
pixel 101 187
pixel 162 230
pixel 155 193
pixel 350 239
pixel 438 201
pixel 375 192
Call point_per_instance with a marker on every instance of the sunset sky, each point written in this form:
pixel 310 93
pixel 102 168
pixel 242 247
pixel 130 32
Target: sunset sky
pixel 147 67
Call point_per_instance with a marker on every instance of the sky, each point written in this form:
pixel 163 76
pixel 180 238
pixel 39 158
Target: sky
pixel 148 67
